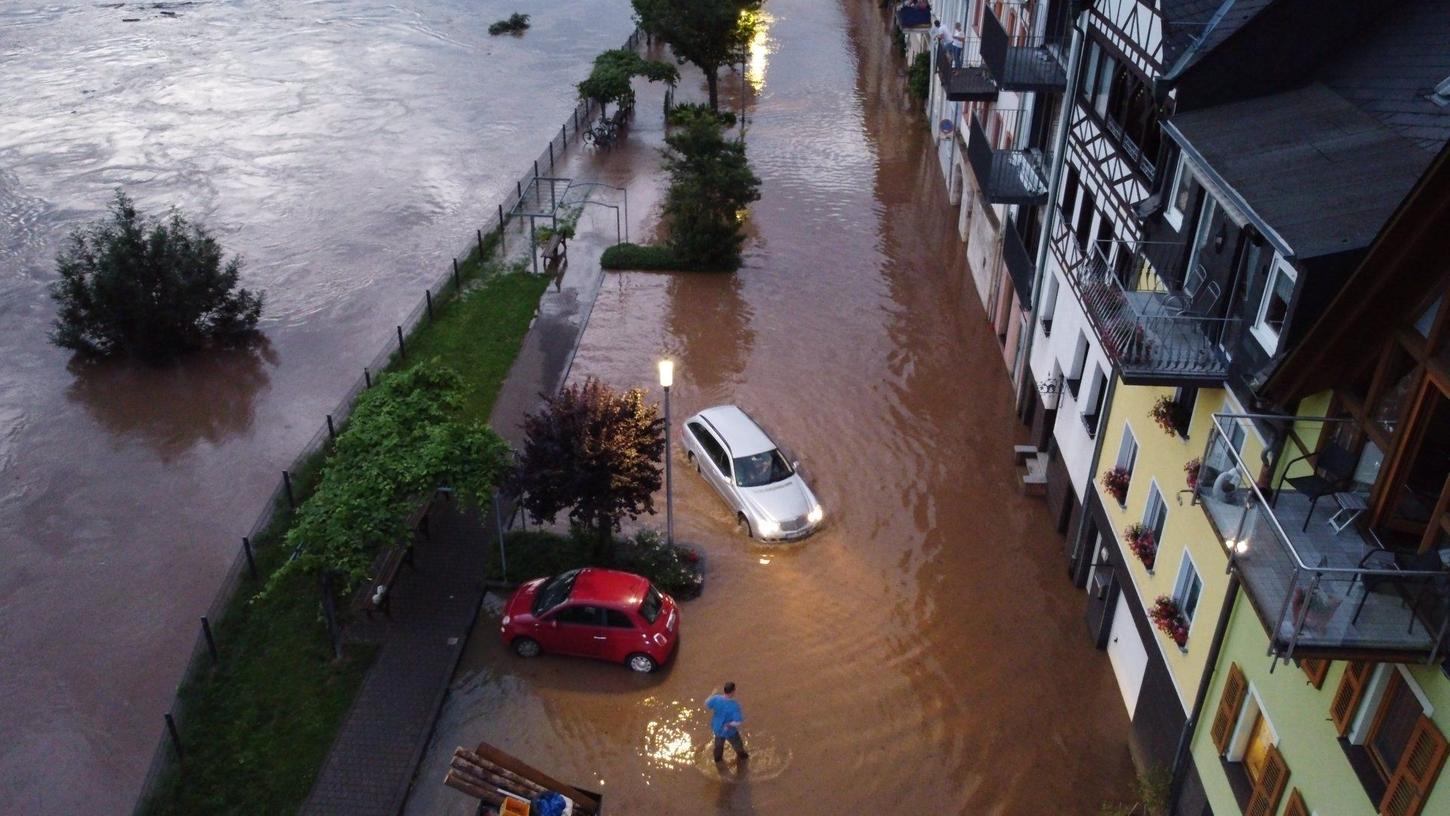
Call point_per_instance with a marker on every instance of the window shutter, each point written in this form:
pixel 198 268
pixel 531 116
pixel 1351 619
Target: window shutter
pixel 1296 805
pixel 1234 689
pixel 1316 669
pixel 1412 781
pixel 1266 796
pixel 1346 699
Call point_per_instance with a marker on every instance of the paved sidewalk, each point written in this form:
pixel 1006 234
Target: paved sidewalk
pixel 371 764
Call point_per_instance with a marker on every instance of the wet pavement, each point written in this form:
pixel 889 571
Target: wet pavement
pixel 925 652
pixel 346 149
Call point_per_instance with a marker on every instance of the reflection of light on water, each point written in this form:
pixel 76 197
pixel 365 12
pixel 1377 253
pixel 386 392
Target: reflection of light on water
pixel 765 561
pixel 759 50
pixel 667 740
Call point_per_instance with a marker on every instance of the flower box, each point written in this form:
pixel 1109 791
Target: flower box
pixel 1166 615
pixel 1143 543
pixel 1116 482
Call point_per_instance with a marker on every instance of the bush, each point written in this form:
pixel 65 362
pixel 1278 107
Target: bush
pixel 682 114
pixel 675 569
pixel 918 76
pixel 515 24
pixel 133 284
pixel 648 257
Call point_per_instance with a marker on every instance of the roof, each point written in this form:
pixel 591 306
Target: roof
pixel 1193 28
pixel 608 587
pixel 1390 70
pixel 1321 173
pixel 739 431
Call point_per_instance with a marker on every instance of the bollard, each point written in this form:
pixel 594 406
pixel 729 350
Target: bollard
pixel 519 188
pixel 331 431
pixel 563 136
pixel 502 248
pixel 551 158
pixel 287 483
pixel 402 352
pixel 247 550
pixel 210 642
pixel 456 284
pixel 498 527
pixel 536 168
pixel 175 737
pixel 428 296
pixel 367 379
pixel 480 244
pixel 576 120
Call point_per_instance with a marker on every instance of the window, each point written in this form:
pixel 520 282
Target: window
pixel 1187 588
pixel 1069 192
pixel 1179 194
pixel 1393 724
pixel 1274 310
pixel 713 448
pixel 618 620
pixel 652 605
pixel 1097 396
pixel 1079 359
pixel 1184 399
pixel 1127 450
pixel 762 469
pixel 1155 513
pixel 1090 69
pixel 579 615
pixel 1085 212
pixel 1393 745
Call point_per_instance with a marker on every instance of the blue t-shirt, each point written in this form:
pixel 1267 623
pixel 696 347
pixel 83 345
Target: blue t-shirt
pixel 726 710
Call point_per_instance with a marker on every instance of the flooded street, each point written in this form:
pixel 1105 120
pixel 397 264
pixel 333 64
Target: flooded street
pixel 346 149
pixel 923 653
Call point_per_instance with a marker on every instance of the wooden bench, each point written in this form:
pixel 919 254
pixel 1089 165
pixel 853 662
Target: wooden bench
pixel 377 594
pixel 556 256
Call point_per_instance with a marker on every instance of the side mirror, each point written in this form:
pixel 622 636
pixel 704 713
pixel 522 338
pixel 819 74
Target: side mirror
pixel 795 464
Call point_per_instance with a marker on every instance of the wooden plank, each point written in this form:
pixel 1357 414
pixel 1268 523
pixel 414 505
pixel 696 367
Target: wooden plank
pixel 584 801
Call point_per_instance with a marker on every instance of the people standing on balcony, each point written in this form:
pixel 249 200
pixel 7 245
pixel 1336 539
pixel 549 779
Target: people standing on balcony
pixel 938 34
pixel 958 45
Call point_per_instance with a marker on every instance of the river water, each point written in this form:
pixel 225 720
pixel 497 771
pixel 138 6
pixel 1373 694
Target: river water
pixel 925 652
pixel 346 149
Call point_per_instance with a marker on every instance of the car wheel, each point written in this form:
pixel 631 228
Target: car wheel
pixel 642 663
pixel 527 647
pixel 743 525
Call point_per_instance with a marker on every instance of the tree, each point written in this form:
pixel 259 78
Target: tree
pixel 711 183
pixel 706 33
pixel 151 288
pixel 595 452
pixel 609 81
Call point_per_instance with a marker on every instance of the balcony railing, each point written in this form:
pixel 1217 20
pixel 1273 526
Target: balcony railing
pixel 1006 176
pixel 1319 589
pixel 1018 261
pixel 1154 331
pixel 964 83
pixel 1022 63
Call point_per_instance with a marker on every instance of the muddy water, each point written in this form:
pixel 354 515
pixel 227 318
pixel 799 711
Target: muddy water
pixel 924 653
pixel 346 148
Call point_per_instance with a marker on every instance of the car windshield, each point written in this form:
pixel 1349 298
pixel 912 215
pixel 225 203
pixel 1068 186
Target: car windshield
pixel 554 591
pixel 653 603
pixel 761 469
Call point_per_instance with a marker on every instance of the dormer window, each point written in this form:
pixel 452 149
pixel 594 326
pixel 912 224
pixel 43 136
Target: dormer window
pixel 1274 308
pixel 1179 195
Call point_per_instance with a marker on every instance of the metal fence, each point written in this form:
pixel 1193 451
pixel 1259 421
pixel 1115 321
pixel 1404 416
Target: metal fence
pixel 507 236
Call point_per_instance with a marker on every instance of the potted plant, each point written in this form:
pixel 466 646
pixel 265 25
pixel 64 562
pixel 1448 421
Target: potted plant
pixel 1169 414
pixel 1190 472
pixel 1142 542
pixel 1116 482
pixel 1169 619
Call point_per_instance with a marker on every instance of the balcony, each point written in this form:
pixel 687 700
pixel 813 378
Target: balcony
pixel 1321 590
pixel 964 83
pixel 1021 63
pixel 1154 332
pixel 1006 176
pixel 1020 266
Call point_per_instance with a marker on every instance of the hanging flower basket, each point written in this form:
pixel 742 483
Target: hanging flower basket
pixel 1142 542
pixel 1166 615
pixel 1116 482
pixel 1169 414
pixel 1190 472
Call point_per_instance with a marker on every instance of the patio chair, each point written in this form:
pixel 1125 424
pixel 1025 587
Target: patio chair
pixel 1333 469
pixel 1393 561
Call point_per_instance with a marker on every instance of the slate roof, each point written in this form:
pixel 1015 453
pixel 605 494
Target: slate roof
pixel 1322 173
pixel 1193 28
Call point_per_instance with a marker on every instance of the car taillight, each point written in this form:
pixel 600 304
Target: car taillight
pixel 670 624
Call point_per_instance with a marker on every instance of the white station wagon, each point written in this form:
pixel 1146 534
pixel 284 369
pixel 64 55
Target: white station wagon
pixel 747 469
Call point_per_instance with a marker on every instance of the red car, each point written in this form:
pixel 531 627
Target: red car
pixel 599 613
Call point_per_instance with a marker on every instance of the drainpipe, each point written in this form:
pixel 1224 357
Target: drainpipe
pixel 1185 739
pixel 1074 75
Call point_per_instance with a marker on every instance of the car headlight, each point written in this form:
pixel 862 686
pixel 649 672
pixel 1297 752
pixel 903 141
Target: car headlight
pixel 768 527
pixel 816 514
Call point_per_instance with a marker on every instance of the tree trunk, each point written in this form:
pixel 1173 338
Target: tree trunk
pixel 604 546
pixel 712 78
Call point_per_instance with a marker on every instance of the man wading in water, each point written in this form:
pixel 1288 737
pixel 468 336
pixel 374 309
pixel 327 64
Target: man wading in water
pixel 725 722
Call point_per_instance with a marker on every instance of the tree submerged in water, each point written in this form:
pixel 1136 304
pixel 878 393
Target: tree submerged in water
pixel 711 184
pixel 132 284
pixel 709 34
pixel 515 24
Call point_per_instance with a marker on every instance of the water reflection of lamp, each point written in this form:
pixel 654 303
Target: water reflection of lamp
pixel 667 379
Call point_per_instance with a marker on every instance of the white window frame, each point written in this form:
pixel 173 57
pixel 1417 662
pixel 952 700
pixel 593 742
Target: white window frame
pixel 1154 490
pixel 1171 213
pixel 1187 570
pixel 1267 337
pixel 1132 453
pixel 1206 212
pixel 1253 708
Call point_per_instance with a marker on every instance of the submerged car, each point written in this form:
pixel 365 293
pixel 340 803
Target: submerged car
pixel 604 614
pixel 769 498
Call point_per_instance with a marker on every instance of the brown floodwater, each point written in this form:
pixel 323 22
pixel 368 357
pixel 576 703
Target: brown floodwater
pixel 346 149
pixel 924 653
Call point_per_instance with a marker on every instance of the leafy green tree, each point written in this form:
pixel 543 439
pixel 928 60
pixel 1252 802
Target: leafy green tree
pixel 711 184
pixel 151 288
pixel 403 441
pixel 707 33
pixel 609 81
pixel 594 452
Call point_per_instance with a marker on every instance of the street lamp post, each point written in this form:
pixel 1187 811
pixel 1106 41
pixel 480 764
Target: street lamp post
pixel 667 379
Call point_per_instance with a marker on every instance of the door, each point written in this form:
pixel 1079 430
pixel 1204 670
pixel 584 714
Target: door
pixel 622 637
pixel 1127 654
pixel 716 467
pixel 576 630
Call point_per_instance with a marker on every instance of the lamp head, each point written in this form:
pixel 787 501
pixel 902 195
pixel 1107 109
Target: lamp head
pixel 667 373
